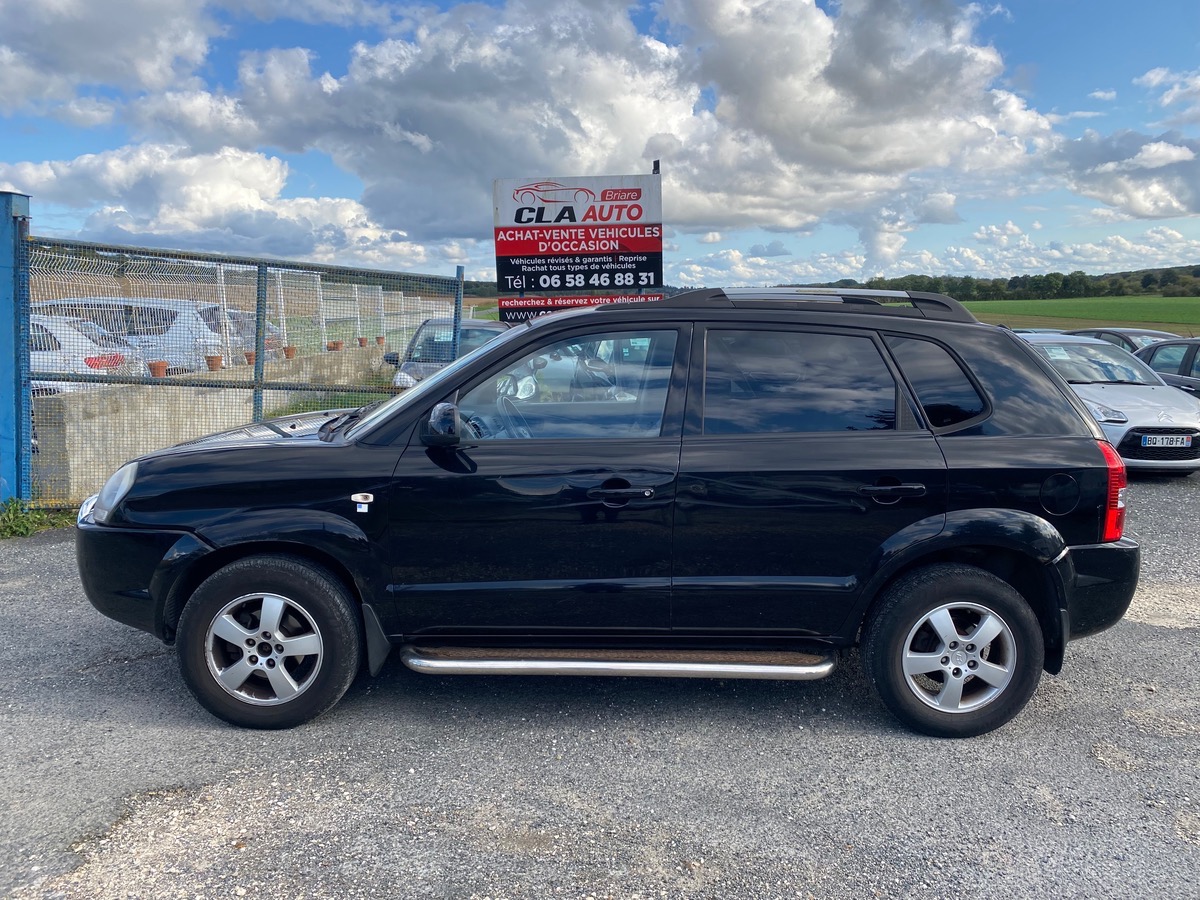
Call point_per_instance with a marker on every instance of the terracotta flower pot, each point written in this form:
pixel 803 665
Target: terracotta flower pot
pixel 380 339
pixel 289 352
pixel 214 363
pixel 362 342
pixel 158 368
pixel 335 345
pixel 250 357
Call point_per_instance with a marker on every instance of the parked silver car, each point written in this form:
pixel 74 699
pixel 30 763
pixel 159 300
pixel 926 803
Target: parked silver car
pixel 77 346
pixel 1127 338
pixel 1154 426
pixel 432 347
pixel 182 332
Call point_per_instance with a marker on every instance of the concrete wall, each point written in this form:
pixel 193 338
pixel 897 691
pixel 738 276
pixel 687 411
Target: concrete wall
pixel 83 436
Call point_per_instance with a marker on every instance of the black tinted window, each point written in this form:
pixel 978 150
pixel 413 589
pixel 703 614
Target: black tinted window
pixel 212 318
pixel 945 393
pixel 148 320
pixel 41 340
pixel 772 381
pixel 1168 359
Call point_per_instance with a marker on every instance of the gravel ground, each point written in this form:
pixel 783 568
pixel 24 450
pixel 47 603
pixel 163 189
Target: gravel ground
pixel 117 785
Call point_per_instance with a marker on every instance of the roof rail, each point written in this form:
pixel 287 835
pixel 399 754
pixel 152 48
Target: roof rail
pixel 858 300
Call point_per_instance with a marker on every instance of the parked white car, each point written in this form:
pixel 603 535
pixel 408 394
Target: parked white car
pixel 182 332
pixel 77 346
pixel 1154 426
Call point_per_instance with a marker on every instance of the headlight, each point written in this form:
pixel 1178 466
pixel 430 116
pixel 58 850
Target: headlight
pixel 114 492
pixel 1104 413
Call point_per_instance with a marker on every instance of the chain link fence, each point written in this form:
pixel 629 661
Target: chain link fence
pixel 135 349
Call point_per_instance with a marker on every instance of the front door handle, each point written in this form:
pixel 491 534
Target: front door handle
pixel 892 491
pixel 613 493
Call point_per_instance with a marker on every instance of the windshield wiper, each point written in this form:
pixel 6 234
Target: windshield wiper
pixel 337 423
pixel 329 426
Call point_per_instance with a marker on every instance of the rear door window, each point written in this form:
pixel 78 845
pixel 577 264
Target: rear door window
pixel 772 382
pixel 212 318
pixel 149 320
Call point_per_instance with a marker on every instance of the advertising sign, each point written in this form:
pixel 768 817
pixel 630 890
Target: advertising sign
pixel 578 235
pixel 517 309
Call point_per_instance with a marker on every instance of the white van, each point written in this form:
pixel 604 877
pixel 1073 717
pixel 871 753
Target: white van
pixel 183 332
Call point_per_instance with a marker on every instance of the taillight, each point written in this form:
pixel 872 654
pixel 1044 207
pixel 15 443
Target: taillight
pixel 1114 506
pixel 104 361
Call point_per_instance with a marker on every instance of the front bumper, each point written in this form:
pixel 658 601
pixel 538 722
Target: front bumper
pixel 128 573
pixel 1105 579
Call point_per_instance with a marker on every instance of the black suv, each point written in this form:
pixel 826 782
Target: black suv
pixel 739 484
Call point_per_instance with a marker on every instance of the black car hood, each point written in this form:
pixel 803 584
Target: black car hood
pixel 300 427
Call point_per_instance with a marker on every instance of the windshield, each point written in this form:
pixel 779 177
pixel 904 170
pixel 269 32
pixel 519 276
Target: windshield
pixel 431 386
pixel 1097 364
pixel 1144 339
pixel 435 343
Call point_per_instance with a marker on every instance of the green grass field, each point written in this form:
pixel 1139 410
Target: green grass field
pixel 1177 314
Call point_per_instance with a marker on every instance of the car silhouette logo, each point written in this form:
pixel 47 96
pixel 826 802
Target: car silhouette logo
pixel 552 192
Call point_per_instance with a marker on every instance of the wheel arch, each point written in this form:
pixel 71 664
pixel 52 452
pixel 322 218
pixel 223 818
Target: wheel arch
pixel 1018 548
pixel 202 567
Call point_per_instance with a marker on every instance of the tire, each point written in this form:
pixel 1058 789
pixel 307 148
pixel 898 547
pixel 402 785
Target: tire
pixel 919 653
pixel 269 642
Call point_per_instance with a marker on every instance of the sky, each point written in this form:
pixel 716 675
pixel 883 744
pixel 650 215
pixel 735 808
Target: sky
pixel 799 141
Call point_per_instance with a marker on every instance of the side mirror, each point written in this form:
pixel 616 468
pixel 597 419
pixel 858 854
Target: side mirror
pixel 391 358
pixel 443 427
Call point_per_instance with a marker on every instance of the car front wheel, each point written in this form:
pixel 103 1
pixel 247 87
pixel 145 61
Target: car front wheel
pixel 953 651
pixel 269 642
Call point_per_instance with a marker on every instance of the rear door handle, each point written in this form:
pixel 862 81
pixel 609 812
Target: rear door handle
pixel 628 493
pixel 892 491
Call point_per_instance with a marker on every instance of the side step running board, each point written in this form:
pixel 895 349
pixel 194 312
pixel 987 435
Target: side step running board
pixel 637 663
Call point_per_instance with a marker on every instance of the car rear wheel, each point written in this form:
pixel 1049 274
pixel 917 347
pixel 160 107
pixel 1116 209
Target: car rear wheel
pixel 269 642
pixel 953 651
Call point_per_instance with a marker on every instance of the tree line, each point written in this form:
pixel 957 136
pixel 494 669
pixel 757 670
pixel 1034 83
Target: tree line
pixel 1181 281
pixel 1178 281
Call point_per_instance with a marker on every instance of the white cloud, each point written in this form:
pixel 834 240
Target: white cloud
pixel 999 235
pixel 1103 95
pixel 1151 156
pixel 1177 89
pixel 48 51
pixel 937 207
pixel 229 200
pixel 775 248
pixel 336 12
pixel 800 99
pixel 1135 174
pixel 711 237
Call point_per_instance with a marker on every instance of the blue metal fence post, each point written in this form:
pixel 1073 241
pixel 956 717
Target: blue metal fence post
pixel 14 350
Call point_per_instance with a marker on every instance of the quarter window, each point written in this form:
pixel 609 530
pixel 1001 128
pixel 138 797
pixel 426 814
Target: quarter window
pixel 762 382
pixel 41 340
pixel 944 391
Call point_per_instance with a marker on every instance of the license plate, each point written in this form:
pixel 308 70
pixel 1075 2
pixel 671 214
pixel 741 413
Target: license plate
pixel 1166 440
